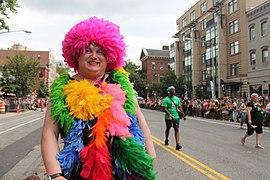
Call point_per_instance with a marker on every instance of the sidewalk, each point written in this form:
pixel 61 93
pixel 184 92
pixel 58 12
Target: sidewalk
pixel 30 165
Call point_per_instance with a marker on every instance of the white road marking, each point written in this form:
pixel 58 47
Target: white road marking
pixel 10 129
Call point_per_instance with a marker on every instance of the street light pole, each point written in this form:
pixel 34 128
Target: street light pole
pixel 25 31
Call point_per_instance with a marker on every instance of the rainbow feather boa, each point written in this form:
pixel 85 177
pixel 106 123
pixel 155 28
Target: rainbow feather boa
pixel 74 104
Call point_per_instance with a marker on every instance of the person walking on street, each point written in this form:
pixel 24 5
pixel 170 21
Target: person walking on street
pixel 255 120
pixel 172 109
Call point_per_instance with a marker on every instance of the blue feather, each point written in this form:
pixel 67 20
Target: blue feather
pixel 135 130
pixel 73 144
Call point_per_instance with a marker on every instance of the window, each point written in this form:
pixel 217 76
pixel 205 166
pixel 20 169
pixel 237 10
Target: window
pixel 184 22
pixel 263 28
pixel 203 22
pixel 192 16
pixel 204 75
pixel 203 8
pixel 234 27
pixel 203 41
pixel 184 36
pixel 203 58
pixel 251 33
pixel 253 58
pixel 153 65
pixel 161 65
pixel 264 55
pixel 153 78
pixel 234 69
pixel 234 47
pixel 232 6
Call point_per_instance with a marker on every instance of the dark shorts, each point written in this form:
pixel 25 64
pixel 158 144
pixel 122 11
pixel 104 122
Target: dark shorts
pixel 170 123
pixel 251 128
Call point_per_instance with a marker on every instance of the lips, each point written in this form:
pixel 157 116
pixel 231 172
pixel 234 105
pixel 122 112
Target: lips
pixel 93 63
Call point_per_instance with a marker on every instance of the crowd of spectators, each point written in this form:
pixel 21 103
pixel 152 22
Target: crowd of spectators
pixel 14 104
pixel 222 109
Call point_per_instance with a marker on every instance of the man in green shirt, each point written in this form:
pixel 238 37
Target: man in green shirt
pixel 172 106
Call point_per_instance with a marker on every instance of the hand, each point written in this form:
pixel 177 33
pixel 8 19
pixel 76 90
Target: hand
pixel 172 118
pixel 249 122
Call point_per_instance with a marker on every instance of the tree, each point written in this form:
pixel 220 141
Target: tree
pixel 19 75
pixel 42 90
pixel 62 70
pixel 137 77
pixel 5 6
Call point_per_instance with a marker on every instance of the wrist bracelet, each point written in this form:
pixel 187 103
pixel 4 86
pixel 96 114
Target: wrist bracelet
pixel 53 176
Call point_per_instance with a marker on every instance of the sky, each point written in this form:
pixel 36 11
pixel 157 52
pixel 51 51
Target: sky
pixel 144 23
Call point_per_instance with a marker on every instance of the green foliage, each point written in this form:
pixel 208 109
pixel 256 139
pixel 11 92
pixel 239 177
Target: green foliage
pixel 160 89
pixel 137 77
pixel 62 70
pixel 42 90
pixel 5 6
pixel 19 75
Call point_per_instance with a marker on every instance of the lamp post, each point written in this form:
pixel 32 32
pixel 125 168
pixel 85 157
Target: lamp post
pixel 25 31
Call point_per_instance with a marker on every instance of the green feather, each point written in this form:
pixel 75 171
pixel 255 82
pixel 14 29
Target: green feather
pixel 133 157
pixel 59 112
pixel 122 79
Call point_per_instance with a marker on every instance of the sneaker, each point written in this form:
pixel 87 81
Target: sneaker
pixel 178 147
pixel 259 146
pixel 166 142
pixel 243 140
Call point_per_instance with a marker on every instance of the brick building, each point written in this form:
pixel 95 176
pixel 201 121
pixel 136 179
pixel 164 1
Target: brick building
pixel 46 58
pixel 155 63
pixel 212 45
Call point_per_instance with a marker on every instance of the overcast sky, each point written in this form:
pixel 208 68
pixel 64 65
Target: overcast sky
pixel 144 23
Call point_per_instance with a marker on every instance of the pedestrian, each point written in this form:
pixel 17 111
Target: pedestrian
pixel 41 102
pixel 255 120
pixel 172 106
pixel 96 112
pixel 243 113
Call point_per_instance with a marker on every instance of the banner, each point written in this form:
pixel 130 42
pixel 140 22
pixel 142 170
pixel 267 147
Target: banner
pixel 212 89
pixel 186 95
pixel 222 84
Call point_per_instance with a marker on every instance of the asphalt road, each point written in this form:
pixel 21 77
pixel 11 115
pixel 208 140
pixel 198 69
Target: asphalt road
pixel 211 149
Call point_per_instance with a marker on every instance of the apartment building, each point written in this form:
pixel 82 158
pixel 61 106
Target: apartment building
pixel 155 63
pixel 258 48
pixel 212 46
pixel 46 58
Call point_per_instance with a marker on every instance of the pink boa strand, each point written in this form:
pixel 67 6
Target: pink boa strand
pixel 119 125
pixel 97 163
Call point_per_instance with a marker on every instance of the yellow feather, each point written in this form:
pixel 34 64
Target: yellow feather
pixel 84 100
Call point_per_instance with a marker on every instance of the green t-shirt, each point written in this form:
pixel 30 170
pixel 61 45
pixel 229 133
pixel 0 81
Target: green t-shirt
pixel 167 102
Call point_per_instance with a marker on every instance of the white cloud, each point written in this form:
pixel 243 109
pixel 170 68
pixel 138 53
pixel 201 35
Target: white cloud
pixel 148 24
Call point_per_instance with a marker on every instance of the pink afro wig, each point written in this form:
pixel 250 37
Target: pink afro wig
pixel 99 31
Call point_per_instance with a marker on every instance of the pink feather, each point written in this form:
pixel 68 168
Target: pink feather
pixel 119 125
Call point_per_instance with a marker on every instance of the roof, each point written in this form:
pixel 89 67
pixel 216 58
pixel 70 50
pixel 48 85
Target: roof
pixel 154 53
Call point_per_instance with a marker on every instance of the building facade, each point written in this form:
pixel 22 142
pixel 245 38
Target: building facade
pixel 46 58
pixel 155 63
pixel 213 47
pixel 258 49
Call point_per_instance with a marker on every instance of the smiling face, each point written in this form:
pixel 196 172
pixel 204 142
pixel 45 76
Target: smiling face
pixel 92 64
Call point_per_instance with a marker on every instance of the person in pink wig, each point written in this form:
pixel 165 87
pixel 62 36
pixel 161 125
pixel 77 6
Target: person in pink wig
pixel 95 111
